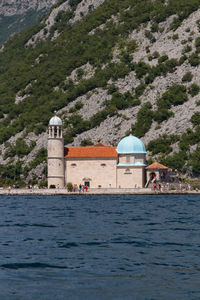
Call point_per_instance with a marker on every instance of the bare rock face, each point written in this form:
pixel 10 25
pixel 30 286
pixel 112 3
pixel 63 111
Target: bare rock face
pixel 13 7
pixel 48 23
pixel 16 15
pixel 82 9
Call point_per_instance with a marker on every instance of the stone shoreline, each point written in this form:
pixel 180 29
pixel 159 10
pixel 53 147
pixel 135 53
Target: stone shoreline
pixel 108 191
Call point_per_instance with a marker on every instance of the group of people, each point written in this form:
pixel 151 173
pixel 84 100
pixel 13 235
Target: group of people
pixel 157 186
pixel 35 186
pixel 80 188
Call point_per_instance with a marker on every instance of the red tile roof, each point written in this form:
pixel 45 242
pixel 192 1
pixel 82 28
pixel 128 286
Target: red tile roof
pixel 91 151
pixel 100 144
pixel 156 165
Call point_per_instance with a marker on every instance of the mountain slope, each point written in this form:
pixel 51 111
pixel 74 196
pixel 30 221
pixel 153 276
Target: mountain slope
pixel 17 15
pixel 109 68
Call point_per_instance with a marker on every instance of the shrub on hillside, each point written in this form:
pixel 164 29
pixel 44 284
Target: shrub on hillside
pixel 186 49
pixel 140 89
pixel 195 119
pixel 141 69
pixel 175 36
pixel 194 89
pixel 194 59
pixel 131 46
pixel 162 114
pixel 176 161
pixel 150 36
pixel 187 77
pixel 154 27
pixel 86 142
pixel 156 54
pixel 76 107
pixel 195 162
pixel 197 42
pixel 162 144
pixel 74 3
pixel 112 89
pixel 162 59
pixel 176 95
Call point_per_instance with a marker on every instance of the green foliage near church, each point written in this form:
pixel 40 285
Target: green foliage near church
pixel 144 120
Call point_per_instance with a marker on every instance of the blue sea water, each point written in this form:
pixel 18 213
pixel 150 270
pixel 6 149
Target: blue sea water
pixel 100 247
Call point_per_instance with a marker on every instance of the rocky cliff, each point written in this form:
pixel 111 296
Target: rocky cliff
pixel 13 7
pixel 17 15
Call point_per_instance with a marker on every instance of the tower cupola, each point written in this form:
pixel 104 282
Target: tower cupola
pixel 55 127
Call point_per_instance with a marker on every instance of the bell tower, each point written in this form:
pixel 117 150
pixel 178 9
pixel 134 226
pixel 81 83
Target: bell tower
pixel 56 167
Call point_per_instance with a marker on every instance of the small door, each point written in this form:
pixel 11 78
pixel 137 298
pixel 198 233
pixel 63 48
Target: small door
pixel 87 183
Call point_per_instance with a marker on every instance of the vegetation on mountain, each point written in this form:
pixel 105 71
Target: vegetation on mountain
pixel 187 77
pixel 20 148
pixel 86 142
pixel 144 120
pixel 162 144
pixel 40 75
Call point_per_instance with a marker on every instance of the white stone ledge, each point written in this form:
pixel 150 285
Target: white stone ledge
pixel 100 191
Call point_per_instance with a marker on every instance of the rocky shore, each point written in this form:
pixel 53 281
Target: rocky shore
pixel 109 191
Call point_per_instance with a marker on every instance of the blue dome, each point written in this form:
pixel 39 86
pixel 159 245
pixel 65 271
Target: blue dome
pixel 130 144
pixel 55 121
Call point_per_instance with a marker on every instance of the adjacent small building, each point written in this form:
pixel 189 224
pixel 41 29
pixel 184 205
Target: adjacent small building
pixel 156 170
pixel 96 166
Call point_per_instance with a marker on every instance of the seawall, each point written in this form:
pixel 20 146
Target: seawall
pixel 100 191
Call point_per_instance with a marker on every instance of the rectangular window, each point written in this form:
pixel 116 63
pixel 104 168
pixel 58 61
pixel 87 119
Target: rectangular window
pixel 128 159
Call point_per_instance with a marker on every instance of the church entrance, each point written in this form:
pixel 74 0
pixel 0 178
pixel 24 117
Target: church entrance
pixel 87 183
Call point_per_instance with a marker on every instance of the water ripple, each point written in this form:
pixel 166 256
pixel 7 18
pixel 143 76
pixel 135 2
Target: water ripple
pixel 100 247
pixel 16 266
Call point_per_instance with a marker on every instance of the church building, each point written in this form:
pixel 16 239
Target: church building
pixel 96 166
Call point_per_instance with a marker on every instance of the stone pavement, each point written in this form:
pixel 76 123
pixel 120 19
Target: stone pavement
pixel 100 191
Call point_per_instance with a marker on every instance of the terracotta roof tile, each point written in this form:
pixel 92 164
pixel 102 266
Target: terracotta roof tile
pixel 100 144
pixel 156 165
pixel 91 151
